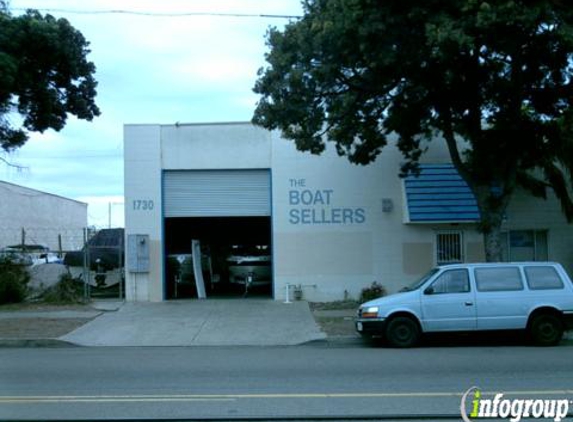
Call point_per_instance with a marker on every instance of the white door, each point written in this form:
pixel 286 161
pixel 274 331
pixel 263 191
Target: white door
pixel 448 304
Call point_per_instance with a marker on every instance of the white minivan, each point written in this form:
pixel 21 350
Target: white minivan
pixel 532 296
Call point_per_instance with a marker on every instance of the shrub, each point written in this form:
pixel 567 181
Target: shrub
pixel 373 291
pixel 13 281
pixel 67 290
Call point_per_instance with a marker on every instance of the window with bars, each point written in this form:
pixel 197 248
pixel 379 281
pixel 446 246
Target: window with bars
pixel 449 247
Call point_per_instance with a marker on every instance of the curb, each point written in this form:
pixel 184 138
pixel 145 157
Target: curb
pixel 336 341
pixel 332 342
pixel 46 343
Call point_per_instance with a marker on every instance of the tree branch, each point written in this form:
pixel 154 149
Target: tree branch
pixel 453 149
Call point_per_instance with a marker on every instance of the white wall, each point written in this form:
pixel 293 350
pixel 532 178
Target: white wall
pixel 150 149
pixel 215 146
pixel 43 216
pixel 330 233
pixel 143 207
pixel 343 255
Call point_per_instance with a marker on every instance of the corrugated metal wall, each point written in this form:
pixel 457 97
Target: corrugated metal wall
pixel 217 193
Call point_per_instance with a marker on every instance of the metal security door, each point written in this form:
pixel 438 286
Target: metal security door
pixel 217 193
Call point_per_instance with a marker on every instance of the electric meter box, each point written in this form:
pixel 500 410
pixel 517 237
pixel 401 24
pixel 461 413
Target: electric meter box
pixel 138 253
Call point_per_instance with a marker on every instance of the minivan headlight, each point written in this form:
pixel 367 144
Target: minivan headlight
pixel 370 312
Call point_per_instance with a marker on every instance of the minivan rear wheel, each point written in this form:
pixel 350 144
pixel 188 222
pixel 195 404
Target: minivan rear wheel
pixel 402 332
pixel 546 330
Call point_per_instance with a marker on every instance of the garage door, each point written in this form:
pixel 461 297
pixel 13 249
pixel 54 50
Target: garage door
pixel 217 193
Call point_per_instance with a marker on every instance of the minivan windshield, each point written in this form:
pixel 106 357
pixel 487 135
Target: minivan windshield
pixel 418 283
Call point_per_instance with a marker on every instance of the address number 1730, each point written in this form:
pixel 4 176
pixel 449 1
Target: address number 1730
pixel 143 204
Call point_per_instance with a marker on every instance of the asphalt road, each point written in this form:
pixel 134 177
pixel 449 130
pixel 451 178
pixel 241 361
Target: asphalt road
pixel 268 382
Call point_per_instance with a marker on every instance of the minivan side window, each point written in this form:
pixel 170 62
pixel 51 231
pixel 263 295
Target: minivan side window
pixel 543 278
pixel 451 281
pixel 498 279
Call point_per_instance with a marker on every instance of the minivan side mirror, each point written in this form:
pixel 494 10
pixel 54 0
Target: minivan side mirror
pixel 429 291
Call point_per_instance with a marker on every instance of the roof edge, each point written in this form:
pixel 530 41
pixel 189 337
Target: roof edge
pixel 43 192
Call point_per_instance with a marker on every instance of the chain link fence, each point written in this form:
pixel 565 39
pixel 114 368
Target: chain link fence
pixel 94 258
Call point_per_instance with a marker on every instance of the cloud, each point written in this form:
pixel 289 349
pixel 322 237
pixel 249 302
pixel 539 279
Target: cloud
pixel 105 211
pixel 149 70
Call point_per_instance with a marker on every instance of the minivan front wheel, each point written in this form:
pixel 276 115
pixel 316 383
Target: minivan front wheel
pixel 402 332
pixel 546 330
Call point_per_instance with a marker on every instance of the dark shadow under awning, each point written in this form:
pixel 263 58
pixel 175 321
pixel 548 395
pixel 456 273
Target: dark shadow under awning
pixel 439 194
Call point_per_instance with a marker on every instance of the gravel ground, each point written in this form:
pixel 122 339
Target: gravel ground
pixel 337 326
pixel 24 321
pixel 336 319
pixel 36 328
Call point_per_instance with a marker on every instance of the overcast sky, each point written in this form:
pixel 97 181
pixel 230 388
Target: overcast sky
pixel 150 69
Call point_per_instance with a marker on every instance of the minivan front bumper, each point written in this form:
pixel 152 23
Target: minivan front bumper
pixel 370 327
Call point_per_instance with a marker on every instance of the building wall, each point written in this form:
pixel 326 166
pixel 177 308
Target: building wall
pixel 143 207
pixel 42 216
pixel 528 213
pixel 331 234
pixel 345 240
pixel 150 149
pixel 219 146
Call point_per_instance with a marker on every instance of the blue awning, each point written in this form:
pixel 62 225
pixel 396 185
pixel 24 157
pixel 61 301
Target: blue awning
pixel 439 194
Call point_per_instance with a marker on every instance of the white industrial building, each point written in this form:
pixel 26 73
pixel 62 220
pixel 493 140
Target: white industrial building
pixel 331 228
pixel 34 217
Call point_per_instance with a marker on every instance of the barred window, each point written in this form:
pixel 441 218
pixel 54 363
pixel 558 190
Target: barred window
pixel 449 247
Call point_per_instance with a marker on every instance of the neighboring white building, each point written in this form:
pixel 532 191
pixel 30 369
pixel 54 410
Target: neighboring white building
pixel 40 218
pixel 333 227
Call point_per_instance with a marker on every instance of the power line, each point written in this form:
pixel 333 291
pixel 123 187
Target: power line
pixel 160 14
pixel 66 157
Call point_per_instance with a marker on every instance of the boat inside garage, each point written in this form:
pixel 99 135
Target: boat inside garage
pixel 217 232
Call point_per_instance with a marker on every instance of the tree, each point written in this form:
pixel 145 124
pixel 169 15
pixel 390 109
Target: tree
pixel 44 75
pixel 493 80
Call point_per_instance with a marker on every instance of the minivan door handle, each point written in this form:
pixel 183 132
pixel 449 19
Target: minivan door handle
pixel 469 304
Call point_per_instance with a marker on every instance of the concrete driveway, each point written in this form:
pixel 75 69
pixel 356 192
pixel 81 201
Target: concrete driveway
pixel 211 322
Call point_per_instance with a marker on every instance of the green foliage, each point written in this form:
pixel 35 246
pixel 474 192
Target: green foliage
pixel 44 75
pixel 492 80
pixel 67 290
pixel 374 291
pixel 13 281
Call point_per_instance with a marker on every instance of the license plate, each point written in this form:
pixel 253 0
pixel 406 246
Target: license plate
pixel 359 326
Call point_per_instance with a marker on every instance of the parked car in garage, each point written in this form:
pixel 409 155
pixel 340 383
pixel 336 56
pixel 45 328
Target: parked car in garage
pixel 532 296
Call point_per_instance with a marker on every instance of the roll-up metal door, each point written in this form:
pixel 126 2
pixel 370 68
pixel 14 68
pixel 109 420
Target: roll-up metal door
pixel 217 193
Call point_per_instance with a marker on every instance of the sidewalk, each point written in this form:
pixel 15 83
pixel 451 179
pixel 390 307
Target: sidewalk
pixel 212 322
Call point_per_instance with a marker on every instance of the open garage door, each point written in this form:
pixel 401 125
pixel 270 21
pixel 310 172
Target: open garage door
pixel 228 212
pixel 217 193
